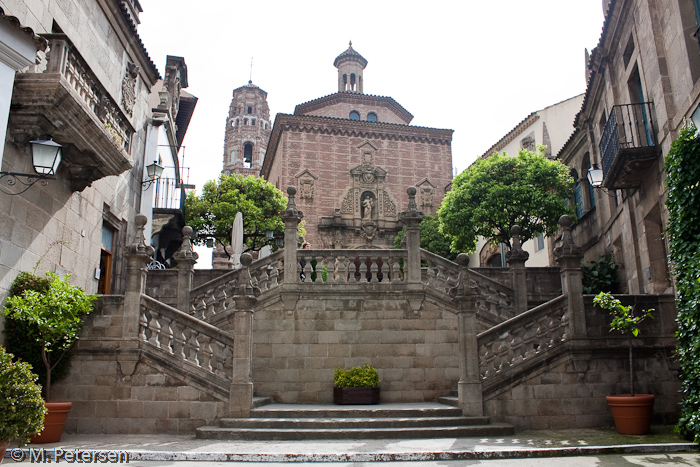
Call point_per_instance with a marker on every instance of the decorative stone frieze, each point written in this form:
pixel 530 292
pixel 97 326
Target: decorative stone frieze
pixel 129 88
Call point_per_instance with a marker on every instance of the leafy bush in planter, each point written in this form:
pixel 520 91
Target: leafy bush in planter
pixel 600 275
pixel 682 168
pixel 57 314
pixel 358 377
pixel 21 406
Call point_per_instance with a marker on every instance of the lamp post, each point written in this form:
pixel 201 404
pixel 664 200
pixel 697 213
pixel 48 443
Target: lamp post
pixel 595 176
pixel 46 157
pixel 154 171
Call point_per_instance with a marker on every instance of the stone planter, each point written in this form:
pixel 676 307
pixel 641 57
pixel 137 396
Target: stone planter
pixel 632 413
pixel 355 396
pixel 53 423
pixel 3 448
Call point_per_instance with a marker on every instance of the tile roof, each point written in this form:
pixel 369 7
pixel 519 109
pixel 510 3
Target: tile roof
pixel 40 42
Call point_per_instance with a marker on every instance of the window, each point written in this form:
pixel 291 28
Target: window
pixel 248 155
pixel 539 242
pixel 371 117
pixel 250 110
pixel 354 115
pixel 104 283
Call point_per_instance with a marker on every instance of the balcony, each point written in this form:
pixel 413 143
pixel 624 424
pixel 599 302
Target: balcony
pixel 68 102
pixel 628 145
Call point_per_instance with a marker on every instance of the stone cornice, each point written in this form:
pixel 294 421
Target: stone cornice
pixel 350 128
pixel 135 41
pixel 354 98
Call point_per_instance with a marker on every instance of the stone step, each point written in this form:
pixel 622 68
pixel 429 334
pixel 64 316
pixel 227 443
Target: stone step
pixel 279 434
pixel 342 423
pixel 355 411
pixel 451 400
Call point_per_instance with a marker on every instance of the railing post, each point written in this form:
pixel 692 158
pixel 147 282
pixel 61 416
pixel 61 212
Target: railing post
pixel 186 259
pixel 138 255
pixel 569 256
pixel 516 258
pixel 469 386
pixel 412 218
pixel 241 394
pixel 291 218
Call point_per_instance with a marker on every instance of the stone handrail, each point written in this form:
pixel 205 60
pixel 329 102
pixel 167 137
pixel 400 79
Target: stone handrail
pixel 186 342
pixel 520 339
pixel 376 266
pixel 64 58
pixel 216 297
pixel 492 297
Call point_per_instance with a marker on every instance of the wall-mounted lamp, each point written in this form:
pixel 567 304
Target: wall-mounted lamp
pixel 154 171
pixel 46 157
pixel 595 176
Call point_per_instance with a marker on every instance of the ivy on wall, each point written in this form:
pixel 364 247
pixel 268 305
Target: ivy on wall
pixel 683 171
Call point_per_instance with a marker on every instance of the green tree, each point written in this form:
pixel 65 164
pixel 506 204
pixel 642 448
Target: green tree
pixel 682 167
pixel 495 193
pixel 431 238
pixel 211 214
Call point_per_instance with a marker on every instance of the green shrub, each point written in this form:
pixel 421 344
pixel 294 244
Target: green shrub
pixel 682 167
pixel 358 377
pixel 600 275
pixel 21 406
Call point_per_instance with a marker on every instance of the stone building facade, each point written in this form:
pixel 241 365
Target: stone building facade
pixel 351 155
pixel 247 132
pixel 90 89
pixel 643 82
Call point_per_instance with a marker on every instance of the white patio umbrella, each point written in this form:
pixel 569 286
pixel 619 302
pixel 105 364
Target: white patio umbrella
pixel 237 240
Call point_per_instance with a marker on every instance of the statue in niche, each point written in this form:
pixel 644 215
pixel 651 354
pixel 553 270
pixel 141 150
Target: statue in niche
pixel 367 205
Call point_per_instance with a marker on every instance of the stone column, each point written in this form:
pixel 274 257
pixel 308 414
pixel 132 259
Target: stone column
pixel 569 256
pixel 186 259
pixel 469 386
pixel 291 218
pixel 412 218
pixel 516 258
pixel 138 255
pixel 241 393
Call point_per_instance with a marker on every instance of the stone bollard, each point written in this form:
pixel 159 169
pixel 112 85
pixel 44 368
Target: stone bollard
pixel 569 256
pixel 186 259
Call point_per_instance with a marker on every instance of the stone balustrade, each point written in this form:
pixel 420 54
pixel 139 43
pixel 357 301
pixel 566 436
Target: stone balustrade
pixel 522 338
pixel 351 266
pixel 186 342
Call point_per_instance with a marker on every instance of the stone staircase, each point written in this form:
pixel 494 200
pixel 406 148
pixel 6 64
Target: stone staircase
pixel 383 421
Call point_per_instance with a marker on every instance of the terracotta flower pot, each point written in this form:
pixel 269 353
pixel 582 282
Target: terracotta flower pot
pixel 53 423
pixel 356 396
pixel 632 413
pixel 3 448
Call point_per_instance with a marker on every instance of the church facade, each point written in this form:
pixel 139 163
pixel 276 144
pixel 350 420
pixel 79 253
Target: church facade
pixel 350 156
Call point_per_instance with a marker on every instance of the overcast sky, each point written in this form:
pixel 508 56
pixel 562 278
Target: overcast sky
pixel 478 68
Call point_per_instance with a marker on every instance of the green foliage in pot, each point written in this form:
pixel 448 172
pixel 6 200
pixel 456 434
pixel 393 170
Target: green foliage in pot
pixel 624 322
pixel 357 377
pixel 599 275
pixel 57 314
pixel 682 168
pixel 22 409
pixel 21 336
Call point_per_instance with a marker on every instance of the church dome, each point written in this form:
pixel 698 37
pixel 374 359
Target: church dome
pixel 350 54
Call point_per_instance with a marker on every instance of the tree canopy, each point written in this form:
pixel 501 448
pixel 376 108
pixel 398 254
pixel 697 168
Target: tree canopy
pixel 431 238
pixel 495 193
pixel 211 214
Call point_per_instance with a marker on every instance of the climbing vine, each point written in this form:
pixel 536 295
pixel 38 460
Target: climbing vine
pixel 683 180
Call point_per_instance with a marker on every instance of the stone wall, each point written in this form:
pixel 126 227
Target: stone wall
pixel 295 353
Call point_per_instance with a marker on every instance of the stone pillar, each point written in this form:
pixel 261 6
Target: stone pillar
pixel 291 218
pixel 241 394
pixel 412 218
pixel 186 259
pixel 516 258
pixel 138 255
pixel 469 386
pixel 569 256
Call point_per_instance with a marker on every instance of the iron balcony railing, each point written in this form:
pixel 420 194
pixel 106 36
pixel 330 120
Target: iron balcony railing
pixel 170 194
pixel 629 126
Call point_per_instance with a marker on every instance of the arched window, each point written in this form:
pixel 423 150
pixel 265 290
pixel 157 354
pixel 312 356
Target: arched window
pixel 252 122
pixel 371 117
pixel 248 154
pixel 354 115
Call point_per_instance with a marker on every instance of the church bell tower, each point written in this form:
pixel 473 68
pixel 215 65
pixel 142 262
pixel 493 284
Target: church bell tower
pixel 248 131
pixel 350 65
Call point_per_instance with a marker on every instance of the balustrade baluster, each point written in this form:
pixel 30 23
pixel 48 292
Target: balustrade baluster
pixel 274 277
pixel 516 350
pixel 191 347
pixel 143 324
pixel 331 264
pixel 374 271
pixel 217 358
pixel 165 336
pixel 502 354
pixel 178 344
pixel 154 326
pixel 205 352
pixel 342 270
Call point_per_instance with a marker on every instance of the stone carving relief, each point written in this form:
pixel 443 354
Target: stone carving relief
pixel 173 86
pixel 129 88
pixel 346 207
pixel 389 206
pixel 306 184
pixel 528 142
pixel 427 192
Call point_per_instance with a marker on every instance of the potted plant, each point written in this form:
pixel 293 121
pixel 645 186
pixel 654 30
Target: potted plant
pixel 631 412
pixel 57 317
pixel 358 385
pixel 21 406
